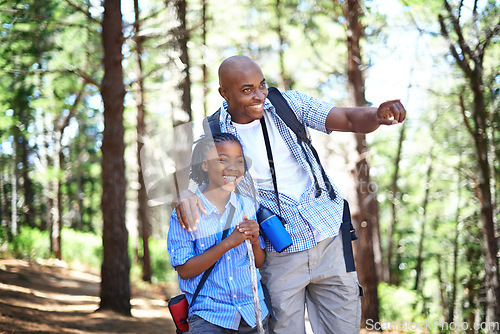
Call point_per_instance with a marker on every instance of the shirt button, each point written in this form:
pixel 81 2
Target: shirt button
pixel 202 245
pixel 229 258
pixel 234 296
pixel 239 307
pixel 230 278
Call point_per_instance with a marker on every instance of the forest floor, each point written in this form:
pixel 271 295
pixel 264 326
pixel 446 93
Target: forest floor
pixel 49 298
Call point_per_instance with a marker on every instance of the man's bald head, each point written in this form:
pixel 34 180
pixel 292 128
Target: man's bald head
pixel 243 86
pixel 233 67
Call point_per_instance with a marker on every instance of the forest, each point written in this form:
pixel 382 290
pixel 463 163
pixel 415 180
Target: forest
pixel 100 102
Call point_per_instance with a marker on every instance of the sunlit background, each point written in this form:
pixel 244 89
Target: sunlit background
pixel 435 179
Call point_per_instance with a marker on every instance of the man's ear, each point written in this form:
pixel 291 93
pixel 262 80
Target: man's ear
pixel 204 166
pixel 223 93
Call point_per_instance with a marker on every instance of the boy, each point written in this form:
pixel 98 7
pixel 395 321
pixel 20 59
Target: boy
pixel 225 301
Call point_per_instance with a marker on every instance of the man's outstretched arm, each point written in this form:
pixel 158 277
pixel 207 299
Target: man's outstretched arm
pixel 365 119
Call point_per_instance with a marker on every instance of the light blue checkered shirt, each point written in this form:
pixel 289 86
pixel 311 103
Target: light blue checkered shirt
pixel 310 214
pixel 226 296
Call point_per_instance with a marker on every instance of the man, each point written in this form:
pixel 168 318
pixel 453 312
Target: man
pixel 311 271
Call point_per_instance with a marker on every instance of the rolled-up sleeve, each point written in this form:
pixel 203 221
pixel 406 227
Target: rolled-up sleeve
pixel 309 110
pixel 180 242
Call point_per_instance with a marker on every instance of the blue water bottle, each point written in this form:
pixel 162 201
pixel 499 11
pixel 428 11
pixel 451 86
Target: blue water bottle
pixel 273 229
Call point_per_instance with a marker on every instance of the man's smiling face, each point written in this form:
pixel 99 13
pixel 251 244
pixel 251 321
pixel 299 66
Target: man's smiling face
pixel 244 88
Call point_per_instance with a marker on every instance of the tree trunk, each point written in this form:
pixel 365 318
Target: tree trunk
pixel 469 58
pixel 418 268
pixel 56 200
pixel 3 206
pixel 57 183
pixel 489 228
pixel 46 215
pixel 29 212
pixel 204 64
pixel 79 190
pixel 490 239
pixel 442 284
pixel 365 220
pixel 181 113
pixel 59 203
pixel 367 216
pixel 285 80
pixel 115 284
pixel 473 281
pixel 142 197
pixel 388 276
pixel 377 251
pixel 13 221
pixel 454 278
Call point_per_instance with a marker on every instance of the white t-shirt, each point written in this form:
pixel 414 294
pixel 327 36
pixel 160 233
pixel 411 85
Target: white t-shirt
pixel 292 179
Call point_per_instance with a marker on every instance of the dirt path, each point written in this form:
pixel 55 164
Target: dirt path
pixel 38 298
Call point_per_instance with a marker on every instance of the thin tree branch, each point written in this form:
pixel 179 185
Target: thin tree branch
pixel 81 10
pixel 146 18
pixel 72 110
pixel 489 35
pixel 466 120
pixel 86 77
pixel 462 62
pixel 130 84
pixel 174 33
pixel 474 9
pixel 458 29
pixel 78 72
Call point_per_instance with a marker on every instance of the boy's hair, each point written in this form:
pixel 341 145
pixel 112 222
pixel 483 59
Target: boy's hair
pixel 200 150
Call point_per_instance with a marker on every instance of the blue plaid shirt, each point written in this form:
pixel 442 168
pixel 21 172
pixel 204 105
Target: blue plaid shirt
pixel 226 296
pixel 309 214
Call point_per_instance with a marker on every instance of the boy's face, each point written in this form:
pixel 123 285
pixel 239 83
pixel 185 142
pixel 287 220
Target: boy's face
pixel 225 166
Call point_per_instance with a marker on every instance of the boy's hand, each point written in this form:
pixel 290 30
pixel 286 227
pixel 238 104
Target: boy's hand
pixel 246 229
pixel 250 228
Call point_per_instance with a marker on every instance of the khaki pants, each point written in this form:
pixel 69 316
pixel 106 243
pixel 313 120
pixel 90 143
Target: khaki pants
pixel 317 278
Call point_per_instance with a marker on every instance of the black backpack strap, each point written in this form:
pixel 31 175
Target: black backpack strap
pixel 288 116
pixel 271 161
pixel 209 270
pixel 348 235
pixel 211 123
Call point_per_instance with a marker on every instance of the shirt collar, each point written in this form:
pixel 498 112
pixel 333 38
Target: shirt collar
pixel 209 206
pixel 226 116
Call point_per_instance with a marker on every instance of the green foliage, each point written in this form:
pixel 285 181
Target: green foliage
pixel 437 138
pixel 30 244
pixel 161 269
pixel 79 248
pixel 397 303
pixel 82 248
pixel 160 261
